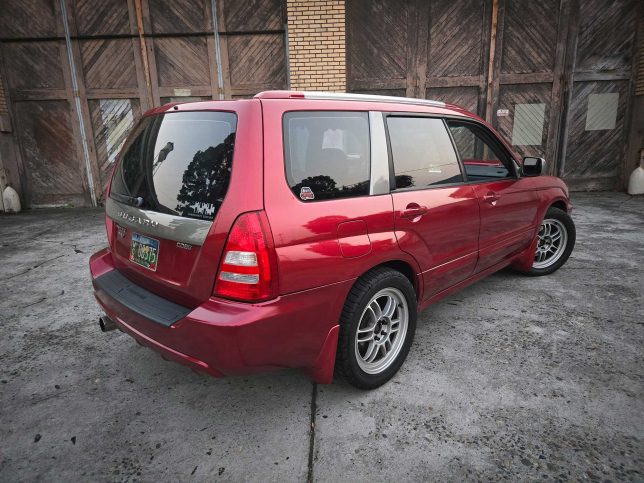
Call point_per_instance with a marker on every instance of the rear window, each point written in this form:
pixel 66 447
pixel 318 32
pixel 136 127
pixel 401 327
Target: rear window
pixel 178 163
pixel 327 154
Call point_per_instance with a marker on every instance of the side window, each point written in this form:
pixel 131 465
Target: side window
pixel 422 152
pixel 481 157
pixel 327 154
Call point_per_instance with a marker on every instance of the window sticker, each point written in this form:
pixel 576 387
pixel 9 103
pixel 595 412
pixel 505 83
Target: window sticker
pixel 306 193
pixel 203 210
pixel 601 113
pixel 528 124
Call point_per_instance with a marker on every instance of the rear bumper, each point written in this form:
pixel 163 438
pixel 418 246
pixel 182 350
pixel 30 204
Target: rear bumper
pixel 222 337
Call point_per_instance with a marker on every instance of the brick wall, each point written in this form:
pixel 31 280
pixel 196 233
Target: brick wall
pixel 316 45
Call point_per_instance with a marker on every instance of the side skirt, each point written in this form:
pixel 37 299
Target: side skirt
pixel 461 285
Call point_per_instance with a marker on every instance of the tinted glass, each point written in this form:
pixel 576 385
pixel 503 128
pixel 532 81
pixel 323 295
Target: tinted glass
pixel 422 152
pixel 327 154
pixel 481 158
pixel 178 163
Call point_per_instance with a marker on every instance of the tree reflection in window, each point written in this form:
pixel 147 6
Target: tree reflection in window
pixel 205 180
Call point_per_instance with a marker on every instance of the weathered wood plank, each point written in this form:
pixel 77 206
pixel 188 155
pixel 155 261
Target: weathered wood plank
pixel 35 65
pixel 104 17
pixel 529 36
pixel 379 45
pixel 464 96
pixel 253 15
pixel 48 145
pixel 179 16
pixel 256 61
pixel 32 19
pixel 596 152
pixel 108 63
pixel 460 81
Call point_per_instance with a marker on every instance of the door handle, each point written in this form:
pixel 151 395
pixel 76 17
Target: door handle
pixel 491 197
pixel 413 210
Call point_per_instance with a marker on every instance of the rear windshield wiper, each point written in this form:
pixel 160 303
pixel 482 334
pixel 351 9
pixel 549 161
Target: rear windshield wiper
pixel 128 200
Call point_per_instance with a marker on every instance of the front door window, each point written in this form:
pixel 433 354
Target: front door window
pixel 482 159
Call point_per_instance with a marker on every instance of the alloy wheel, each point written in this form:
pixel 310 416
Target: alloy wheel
pixel 381 330
pixel 551 243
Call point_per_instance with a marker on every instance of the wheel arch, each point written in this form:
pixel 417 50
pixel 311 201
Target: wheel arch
pixel 403 267
pixel 561 204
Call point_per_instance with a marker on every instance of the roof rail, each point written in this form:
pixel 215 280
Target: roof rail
pixel 341 96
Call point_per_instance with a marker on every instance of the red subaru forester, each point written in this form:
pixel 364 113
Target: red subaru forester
pixel 307 230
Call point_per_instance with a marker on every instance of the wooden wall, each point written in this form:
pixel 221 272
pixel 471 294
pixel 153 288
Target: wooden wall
pixel 79 73
pixel 555 77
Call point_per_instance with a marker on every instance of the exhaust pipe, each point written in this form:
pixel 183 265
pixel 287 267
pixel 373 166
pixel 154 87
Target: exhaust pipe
pixel 106 324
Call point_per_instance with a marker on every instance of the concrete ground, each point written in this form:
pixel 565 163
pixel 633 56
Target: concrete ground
pixel 515 378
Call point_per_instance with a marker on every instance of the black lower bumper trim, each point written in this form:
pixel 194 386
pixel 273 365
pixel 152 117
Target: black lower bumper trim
pixel 139 300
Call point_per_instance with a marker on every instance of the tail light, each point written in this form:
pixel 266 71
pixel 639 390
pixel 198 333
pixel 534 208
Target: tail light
pixel 248 268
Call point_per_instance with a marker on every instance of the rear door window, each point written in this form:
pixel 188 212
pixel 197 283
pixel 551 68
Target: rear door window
pixel 327 154
pixel 178 163
pixel 422 151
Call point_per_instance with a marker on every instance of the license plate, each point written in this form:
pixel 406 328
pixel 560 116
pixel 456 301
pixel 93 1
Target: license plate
pixel 144 251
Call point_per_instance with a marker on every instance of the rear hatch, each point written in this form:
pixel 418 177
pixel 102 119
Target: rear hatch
pixel 173 196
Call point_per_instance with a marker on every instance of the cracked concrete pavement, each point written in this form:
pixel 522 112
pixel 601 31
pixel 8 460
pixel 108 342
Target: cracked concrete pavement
pixel 515 378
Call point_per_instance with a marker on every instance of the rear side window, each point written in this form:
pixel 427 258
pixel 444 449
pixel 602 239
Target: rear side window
pixel 178 163
pixel 326 154
pixel 422 151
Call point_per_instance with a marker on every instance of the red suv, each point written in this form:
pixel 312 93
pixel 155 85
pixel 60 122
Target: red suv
pixel 307 230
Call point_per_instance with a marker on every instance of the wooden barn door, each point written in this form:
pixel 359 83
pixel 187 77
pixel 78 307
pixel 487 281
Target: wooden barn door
pixel 180 48
pixel 453 60
pixel 253 46
pixel 81 72
pixel 528 63
pixel 553 76
pixel 36 68
pixel 382 46
pixel 415 48
pixel 600 94
pixel 110 77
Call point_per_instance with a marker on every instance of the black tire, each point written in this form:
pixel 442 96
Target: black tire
pixel 365 288
pixel 565 219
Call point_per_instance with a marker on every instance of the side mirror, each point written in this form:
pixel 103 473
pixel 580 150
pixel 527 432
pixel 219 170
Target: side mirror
pixel 533 166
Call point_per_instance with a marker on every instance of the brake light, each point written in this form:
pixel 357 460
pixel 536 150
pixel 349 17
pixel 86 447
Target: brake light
pixel 248 268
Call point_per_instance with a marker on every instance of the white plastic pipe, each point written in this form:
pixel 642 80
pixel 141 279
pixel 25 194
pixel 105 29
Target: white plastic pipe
pixel 3 184
pixel 636 180
pixel 11 200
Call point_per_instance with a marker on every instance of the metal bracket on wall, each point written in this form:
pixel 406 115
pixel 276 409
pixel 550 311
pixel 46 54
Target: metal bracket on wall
pixel 215 29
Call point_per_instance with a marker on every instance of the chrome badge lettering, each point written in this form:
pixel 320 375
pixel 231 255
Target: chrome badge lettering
pixel 137 219
pixel 185 246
